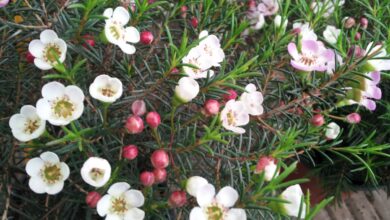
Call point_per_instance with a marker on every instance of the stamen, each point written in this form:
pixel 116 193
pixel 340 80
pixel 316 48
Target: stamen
pixel 63 107
pixel 51 173
pixel 31 126
pixel 230 118
pixel 119 205
pixel 108 92
pixel 51 52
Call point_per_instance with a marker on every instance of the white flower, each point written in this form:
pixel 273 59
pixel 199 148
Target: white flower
pixel 27 125
pixel 47 173
pixel 60 105
pixel 332 131
pixel 187 89
pixel 326 6
pixel 268 7
pixel 121 202
pixel 256 20
pixel 194 183
pixel 294 196
pixel 380 52
pixel 235 114
pixel 106 89
pixel 210 49
pixel 305 31
pixel 252 100
pixel 331 34
pixel 47 49
pixel 218 206
pixel 267 165
pixel 196 58
pixel 278 22
pixel 96 171
pixel 116 32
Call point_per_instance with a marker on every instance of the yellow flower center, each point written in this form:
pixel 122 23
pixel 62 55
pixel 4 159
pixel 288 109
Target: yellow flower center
pixel 96 174
pixel 214 213
pixel 31 126
pixel 51 173
pixel 115 30
pixel 51 52
pixel 119 205
pixel 107 91
pixel 63 107
pixel 230 118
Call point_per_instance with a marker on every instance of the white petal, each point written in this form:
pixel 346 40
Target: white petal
pixel 108 12
pixel 34 166
pixel 127 48
pixel 48 36
pixel 21 136
pixel 55 188
pixel 227 196
pixel 135 198
pixel 50 157
pixel 113 217
pixel 36 48
pixel 17 122
pixel 63 48
pixel 134 214
pixel 53 90
pixel 203 34
pixel 41 64
pixel 293 195
pixel 194 183
pixel 115 37
pixel 37 185
pixel 205 195
pixel 197 214
pixel 43 109
pixel 103 205
pixel 121 15
pixel 29 111
pixel 132 35
pixel 74 93
pixel 250 87
pixel 79 108
pixel 117 189
pixel 236 214
pixel 64 170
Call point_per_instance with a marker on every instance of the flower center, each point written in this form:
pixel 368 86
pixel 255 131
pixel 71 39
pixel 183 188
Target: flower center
pixel 119 205
pixel 51 52
pixel 214 213
pixel 115 30
pixel 63 107
pixel 230 118
pixel 107 91
pixel 96 174
pixel 51 173
pixel 308 60
pixel 31 126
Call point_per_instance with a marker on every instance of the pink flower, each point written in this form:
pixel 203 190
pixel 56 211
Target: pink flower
pixel 268 7
pixel 313 56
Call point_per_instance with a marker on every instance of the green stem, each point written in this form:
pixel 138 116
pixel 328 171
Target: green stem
pixel 105 113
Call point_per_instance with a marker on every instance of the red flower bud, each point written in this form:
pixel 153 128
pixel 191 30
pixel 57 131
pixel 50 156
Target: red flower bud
pixel 263 162
pixel 134 124
pixel 364 22
pixel 160 159
pixel 357 36
pixel 177 199
pixel 252 4
pixel 194 22
pixel 349 22
pixel 147 178
pixel 160 175
pixel 317 120
pixel 183 11
pixel 89 39
pixel 92 199
pixel 138 107
pixel 357 51
pixel 130 152
pixel 153 119
pixel 211 107
pixel 175 71
pixel 353 118
pixel 231 95
pixel 146 37
pixel 29 57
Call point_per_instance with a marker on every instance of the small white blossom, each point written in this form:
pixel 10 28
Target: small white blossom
pixel 378 61
pixel 256 20
pixel 196 58
pixel 234 115
pixel 27 125
pixel 60 105
pixel 331 34
pixel 106 89
pixel 253 100
pixel 332 131
pixel 47 173
pixel 47 49
pixel 194 183
pixel 278 22
pixel 121 203
pixel 187 89
pixel 116 32
pixel 96 171
pixel 294 196
pixel 305 31
pixel 210 49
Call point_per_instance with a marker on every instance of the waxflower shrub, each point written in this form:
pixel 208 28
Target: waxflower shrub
pixel 137 109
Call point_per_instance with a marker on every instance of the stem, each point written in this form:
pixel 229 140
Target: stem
pixel 156 136
pixel 105 113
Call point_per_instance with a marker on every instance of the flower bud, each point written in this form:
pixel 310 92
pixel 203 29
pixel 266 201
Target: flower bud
pixel 89 39
pixel 138 107
pixel 134 124
pixel 29 57
pixel 153 119
pixel 268 166
pixel 146 37
pixel 211 107
pixel 92 199
pixel 147 178
pixel 194 22
pixel 175 71
pixel 252 5
pixel 349 22
pixel 356 51
pixel 278 22
pixel 353 118
pixel 160 175
pixel 357 36
pixel 364 22
pixel 332 131
pixel 130 152
pixel 160 159
pixel 317 120
pixel 187 89
pixel 177 199
pixel 231 95
pixel 183 11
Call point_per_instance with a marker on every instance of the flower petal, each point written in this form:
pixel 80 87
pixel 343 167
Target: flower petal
pixel 49 157
pixel 194 183
pixel 132 35
pixel 293 51
pixel 43 109
pixel 34 166
pixel 29 111
pixel 48 36
pixel 53 90
pixel 41 64
pixel 236 214
pixel 112 216
pixel 121 15
pixel 108 13
pixel 17 121
pixel 117 189
pixel 64 170
pixel 103 205
pixel 37 185
pixel 36 48
pixel 205 195
pixel 127 48
pixel 227 196
pixel 74 93
pixel 134 214
pixel 135 198
pixel 55 188
pixel 197 214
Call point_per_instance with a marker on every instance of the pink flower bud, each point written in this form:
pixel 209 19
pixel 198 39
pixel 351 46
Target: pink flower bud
pixel 349 22
pixel 138 107
pixel 92 199
pixel 353 118
pixel 146 37
pixel 356 51
pixel 89 39
pixel 211 107
pixel 175 71
pixel 160 175
pixel 130 152
pixel 150 1
pixel 147 178
pixel 252 4
pixel 317 120
pixel 177 199
pixel 153 119
pixel 183 11
pixel 134 124
pixel 194 22
pixel 364 22
pixel 357 36
pixel 231 95
pixel 160 159
pixel 268 166
pixel 29 57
